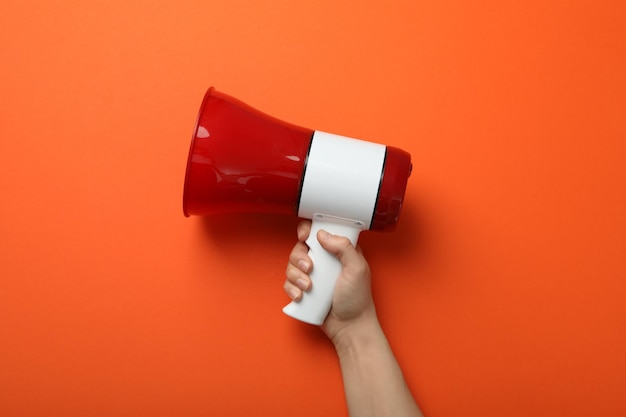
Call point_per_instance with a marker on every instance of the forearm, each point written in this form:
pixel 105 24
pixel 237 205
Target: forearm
pixel 373 381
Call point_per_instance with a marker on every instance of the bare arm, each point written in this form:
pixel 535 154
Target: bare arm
pixel 373 382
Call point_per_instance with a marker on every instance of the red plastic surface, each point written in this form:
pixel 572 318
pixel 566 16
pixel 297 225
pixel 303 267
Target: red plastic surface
pixel 242 160
pixel 392 188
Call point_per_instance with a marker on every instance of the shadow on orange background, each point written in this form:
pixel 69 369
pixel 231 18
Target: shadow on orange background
pixel 501 291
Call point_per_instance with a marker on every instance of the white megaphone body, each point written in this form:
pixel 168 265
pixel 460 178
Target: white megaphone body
pixel 242 160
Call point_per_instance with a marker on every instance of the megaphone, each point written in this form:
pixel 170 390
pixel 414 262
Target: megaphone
pixel 242 160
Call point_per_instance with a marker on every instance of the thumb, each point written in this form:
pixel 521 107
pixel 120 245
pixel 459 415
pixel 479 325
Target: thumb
pixel 339 246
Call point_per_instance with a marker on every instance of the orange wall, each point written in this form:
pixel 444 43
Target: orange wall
pixel 502 291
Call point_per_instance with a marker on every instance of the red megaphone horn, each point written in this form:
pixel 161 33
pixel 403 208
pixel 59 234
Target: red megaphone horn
pixel 242 160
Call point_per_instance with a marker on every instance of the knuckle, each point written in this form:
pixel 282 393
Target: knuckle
pixel 291 272
pixel 361 267
pixel 298 252
pixel 294 274
pixel 303 230
pixel 344 241
pixel 344 244
pixel 292 291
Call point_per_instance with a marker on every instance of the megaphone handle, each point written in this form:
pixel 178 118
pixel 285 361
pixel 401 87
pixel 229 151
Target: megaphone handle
pixel 315 304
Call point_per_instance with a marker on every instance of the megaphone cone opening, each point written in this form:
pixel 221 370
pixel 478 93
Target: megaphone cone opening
pixel 193 140
pixel 243 160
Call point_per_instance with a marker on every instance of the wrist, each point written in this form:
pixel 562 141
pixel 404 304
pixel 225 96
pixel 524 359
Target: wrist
pixel 357 332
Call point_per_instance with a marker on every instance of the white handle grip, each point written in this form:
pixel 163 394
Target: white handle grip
pixel 315 304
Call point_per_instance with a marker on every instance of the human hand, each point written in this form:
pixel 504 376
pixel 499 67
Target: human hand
pixel 373 380
pixel 352 302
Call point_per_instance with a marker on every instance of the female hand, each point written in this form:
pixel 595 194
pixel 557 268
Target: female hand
pixel 352 302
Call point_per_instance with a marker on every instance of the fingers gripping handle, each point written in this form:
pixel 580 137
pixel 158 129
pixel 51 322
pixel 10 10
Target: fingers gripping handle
pixel 315 304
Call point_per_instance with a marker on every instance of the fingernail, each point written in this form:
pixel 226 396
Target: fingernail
pixel 303 265
pixel 293 293
pixel 323 234
pixel 302 284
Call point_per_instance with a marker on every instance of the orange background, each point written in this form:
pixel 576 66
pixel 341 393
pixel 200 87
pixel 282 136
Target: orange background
pixel 502 291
